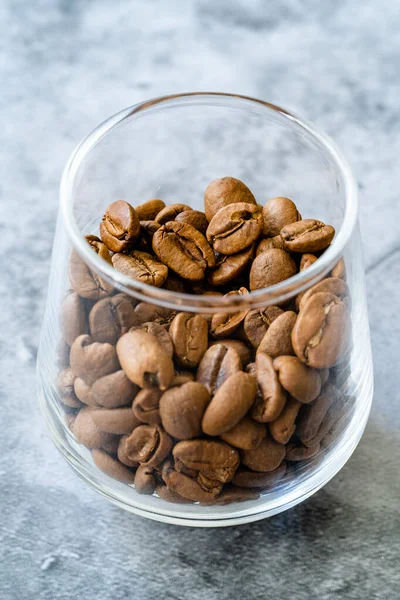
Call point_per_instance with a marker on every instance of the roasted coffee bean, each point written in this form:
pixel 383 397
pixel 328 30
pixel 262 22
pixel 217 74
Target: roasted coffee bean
pixel 196 490
pixel 266 457
pixel 91 360
pixel 62 353
pixel 277 213
pixel 298 452
pixel 112 467
pixel 311 416
pixel 111 317
pixel 229 268
pixel 225 324
pixel 335 411
pixel 141 266
pixel 65 387
pixel 270 403
pixel 303 383
pixel 149 312
pixel 73 318
pixel 195 218
pixel 150 209
pixel 184 250
pixel 148 445
pixel 232 494
pixel 214 459
pixel 120 226
pixel 87 432
pixel 339 270
pixel 308 235
pixel 147 231
pixel 320 334
pixel 253 479
pixel 165 493
pixel 122 453
pixel 111 446
pixel 115 420
pixel 246 434
pixel 113 391
pixel 170 212
pixel 257 322
pixel 277 340
pixel 146 406
pixel 331 285
pixel 284 426
pixel 181 377
pixel 83 391
pixel 182 409
pixel 240 347
pixel 224 191
pixel 234 228
pixel 83 280
pixel 159 332
pixel 230 403
pixel 217 365
pixel 145 482
pixel 307 260
pixel 189 334
pixel 271 267
pixel 144 359
pixel 173 283
pixel 275 242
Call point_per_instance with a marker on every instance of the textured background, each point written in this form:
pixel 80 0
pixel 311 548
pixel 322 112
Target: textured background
pixel 65 65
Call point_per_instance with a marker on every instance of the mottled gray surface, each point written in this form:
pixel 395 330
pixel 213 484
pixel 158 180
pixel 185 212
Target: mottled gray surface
pixel 65 65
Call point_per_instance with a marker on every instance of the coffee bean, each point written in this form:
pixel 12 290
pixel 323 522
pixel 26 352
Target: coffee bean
pixel 165 493
pixel 229 268
pixel 150 209
pixel 284 426
pixel 257 322
pixel 190 488
pixel 142 267
pixel 270 404
pixel 184 250
pixel 301 382
pixel 149 312
pixel 146 406
pixel 230 403
pixel 120 226
pixel 277 213
pixel 307 260
pixel 173 283
pixel 214 459
pixel 275 242
pixel 277 340
pixel 73 317
pixel 189 334
pixel 224 191
pixel 217 365
pixel 87 432
pixel 65 387
pixel 148 445
pixel 83 280
pixel 225 324
pixel 253 479
pixel 170 212
pixel 339 270
pixel 246 434
pixel 159 332
pixel 113 391
pixel 234 228
pixel 112 467
pixel 271 267
pixel 111 446
pixel 122 453
pixel 181 377
pixel 195 218
pixel 331 285
pixel 147 231
pixel 83 391
pixel 145 482
pixel 320 334
pixel 240 347
pixel 308 235
pixel 111 317
pixel 266 457
pixel 312 415
pixel 298 452
pixel 115 420
pixel 91 360
pixel 232 494
pixel 182 409
pixel 335 411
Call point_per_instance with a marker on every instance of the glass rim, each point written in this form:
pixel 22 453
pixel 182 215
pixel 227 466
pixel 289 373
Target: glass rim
pixel 273 294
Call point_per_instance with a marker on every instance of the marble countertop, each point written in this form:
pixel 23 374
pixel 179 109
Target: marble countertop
pixel 64 67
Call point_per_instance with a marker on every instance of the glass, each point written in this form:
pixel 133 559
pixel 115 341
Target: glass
pixel 171 148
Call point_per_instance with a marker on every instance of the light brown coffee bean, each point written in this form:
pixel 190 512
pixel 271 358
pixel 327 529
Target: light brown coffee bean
pixel 331 285
pixel 83 391
pixel 308 235
pixel 307 260
pixel 312 415
pixel 181 377
pixel 234 228
pixel 230 403
pixel 182 409
pixel 277 213
pixel 189 334
pixel 229 268
pixel 112 467
pixel 332 417
pixel 144 360
pixel 159 332
pixel 241 348
pixel 224 191
pixel 85 281
pixel 218 363
pixel 65 387
pixel 214 459
pixel 148 445
pixel 284 426
pixel 111 446
pixel 257 322
pixel 145 481
pixel 147 231
pixel 122 453
pixel 269 406
pixel 141 266
pixel 320 334
pixel 87 432
pixel 196 490
pixel 339 270
pixel 150 209
pixel 266 457
pixel 298 452
pixel 271 267
pixel 253 479
pixel 111 317
pixel 73 317
pixel 173 283
pixel 277 340
pixel 120 226
pixel 170 212
pixel 165 493
pixel 275 242
pixel 149 312
pixel 232 494
pixel 116 420
pixel 184 250
pixel 113 391
pixel 146 406
pixel 246 434
pixel 225 324
pixel 195 218
pixel 303 383
pixel 91 360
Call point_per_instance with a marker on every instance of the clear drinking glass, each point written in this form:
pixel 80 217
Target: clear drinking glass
pixel 171 148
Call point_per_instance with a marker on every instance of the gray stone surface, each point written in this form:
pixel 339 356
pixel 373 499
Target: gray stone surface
pixel 66 65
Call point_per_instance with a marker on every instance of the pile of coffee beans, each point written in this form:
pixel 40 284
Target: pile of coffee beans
pixel 196 408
